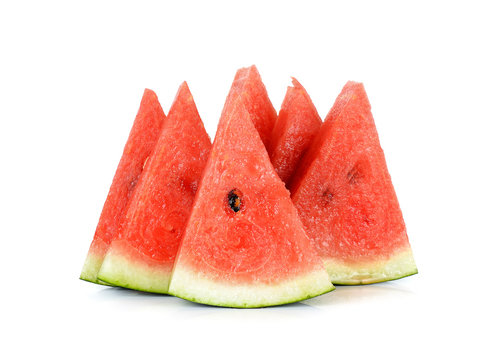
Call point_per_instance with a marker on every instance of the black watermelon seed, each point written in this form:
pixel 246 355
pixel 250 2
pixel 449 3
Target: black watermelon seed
pixel 234 199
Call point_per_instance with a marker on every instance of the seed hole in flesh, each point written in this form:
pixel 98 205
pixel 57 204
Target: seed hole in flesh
pixel 234 200
pixel 327 196
pixel 354 175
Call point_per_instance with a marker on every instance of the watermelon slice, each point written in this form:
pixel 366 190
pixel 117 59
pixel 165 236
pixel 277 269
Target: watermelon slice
pixel 346 200
pixel 244 245
pixel 143 136
pixel 249 86
pixel 143 254
pixel 297 124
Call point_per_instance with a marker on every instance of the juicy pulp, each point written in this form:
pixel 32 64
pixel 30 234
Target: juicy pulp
pixel 253 254
pixel 142 255
pixel 248 86
pixel 297 124
pixel 143 136
pixel 346 200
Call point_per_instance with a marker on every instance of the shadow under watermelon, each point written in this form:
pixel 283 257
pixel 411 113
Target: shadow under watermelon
pixel 350 294
pixel 343 294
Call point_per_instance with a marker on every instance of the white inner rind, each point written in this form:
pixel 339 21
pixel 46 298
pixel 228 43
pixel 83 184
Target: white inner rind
pixel 91 268
pixel 192 286
pixel 119 270
pixel 397 266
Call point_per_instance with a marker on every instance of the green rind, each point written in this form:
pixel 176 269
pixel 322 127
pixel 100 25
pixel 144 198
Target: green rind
pixel 189 285
pixel 397 266
pixel 120 271
pixel 99 282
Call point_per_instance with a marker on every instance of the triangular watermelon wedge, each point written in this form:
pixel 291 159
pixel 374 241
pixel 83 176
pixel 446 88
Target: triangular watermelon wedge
pixel 244 245
pixel 248 85
pixel 346 199
pixel 141 141
pixel 297 124
pixel 143 254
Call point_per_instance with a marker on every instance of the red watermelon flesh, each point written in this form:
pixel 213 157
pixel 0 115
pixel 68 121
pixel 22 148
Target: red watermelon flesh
pixel 244 245
pixel 346 200
pixel 143 136
pixel 297 124
pixel 248 85
pixel 143 254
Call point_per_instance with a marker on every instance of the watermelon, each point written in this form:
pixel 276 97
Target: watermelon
pixel 346 200
pixel 297 124
pixel 143 254
pixel 143 136
pixel 244 245
pixel 249 86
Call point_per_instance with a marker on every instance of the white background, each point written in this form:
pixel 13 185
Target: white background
pixel 71 79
